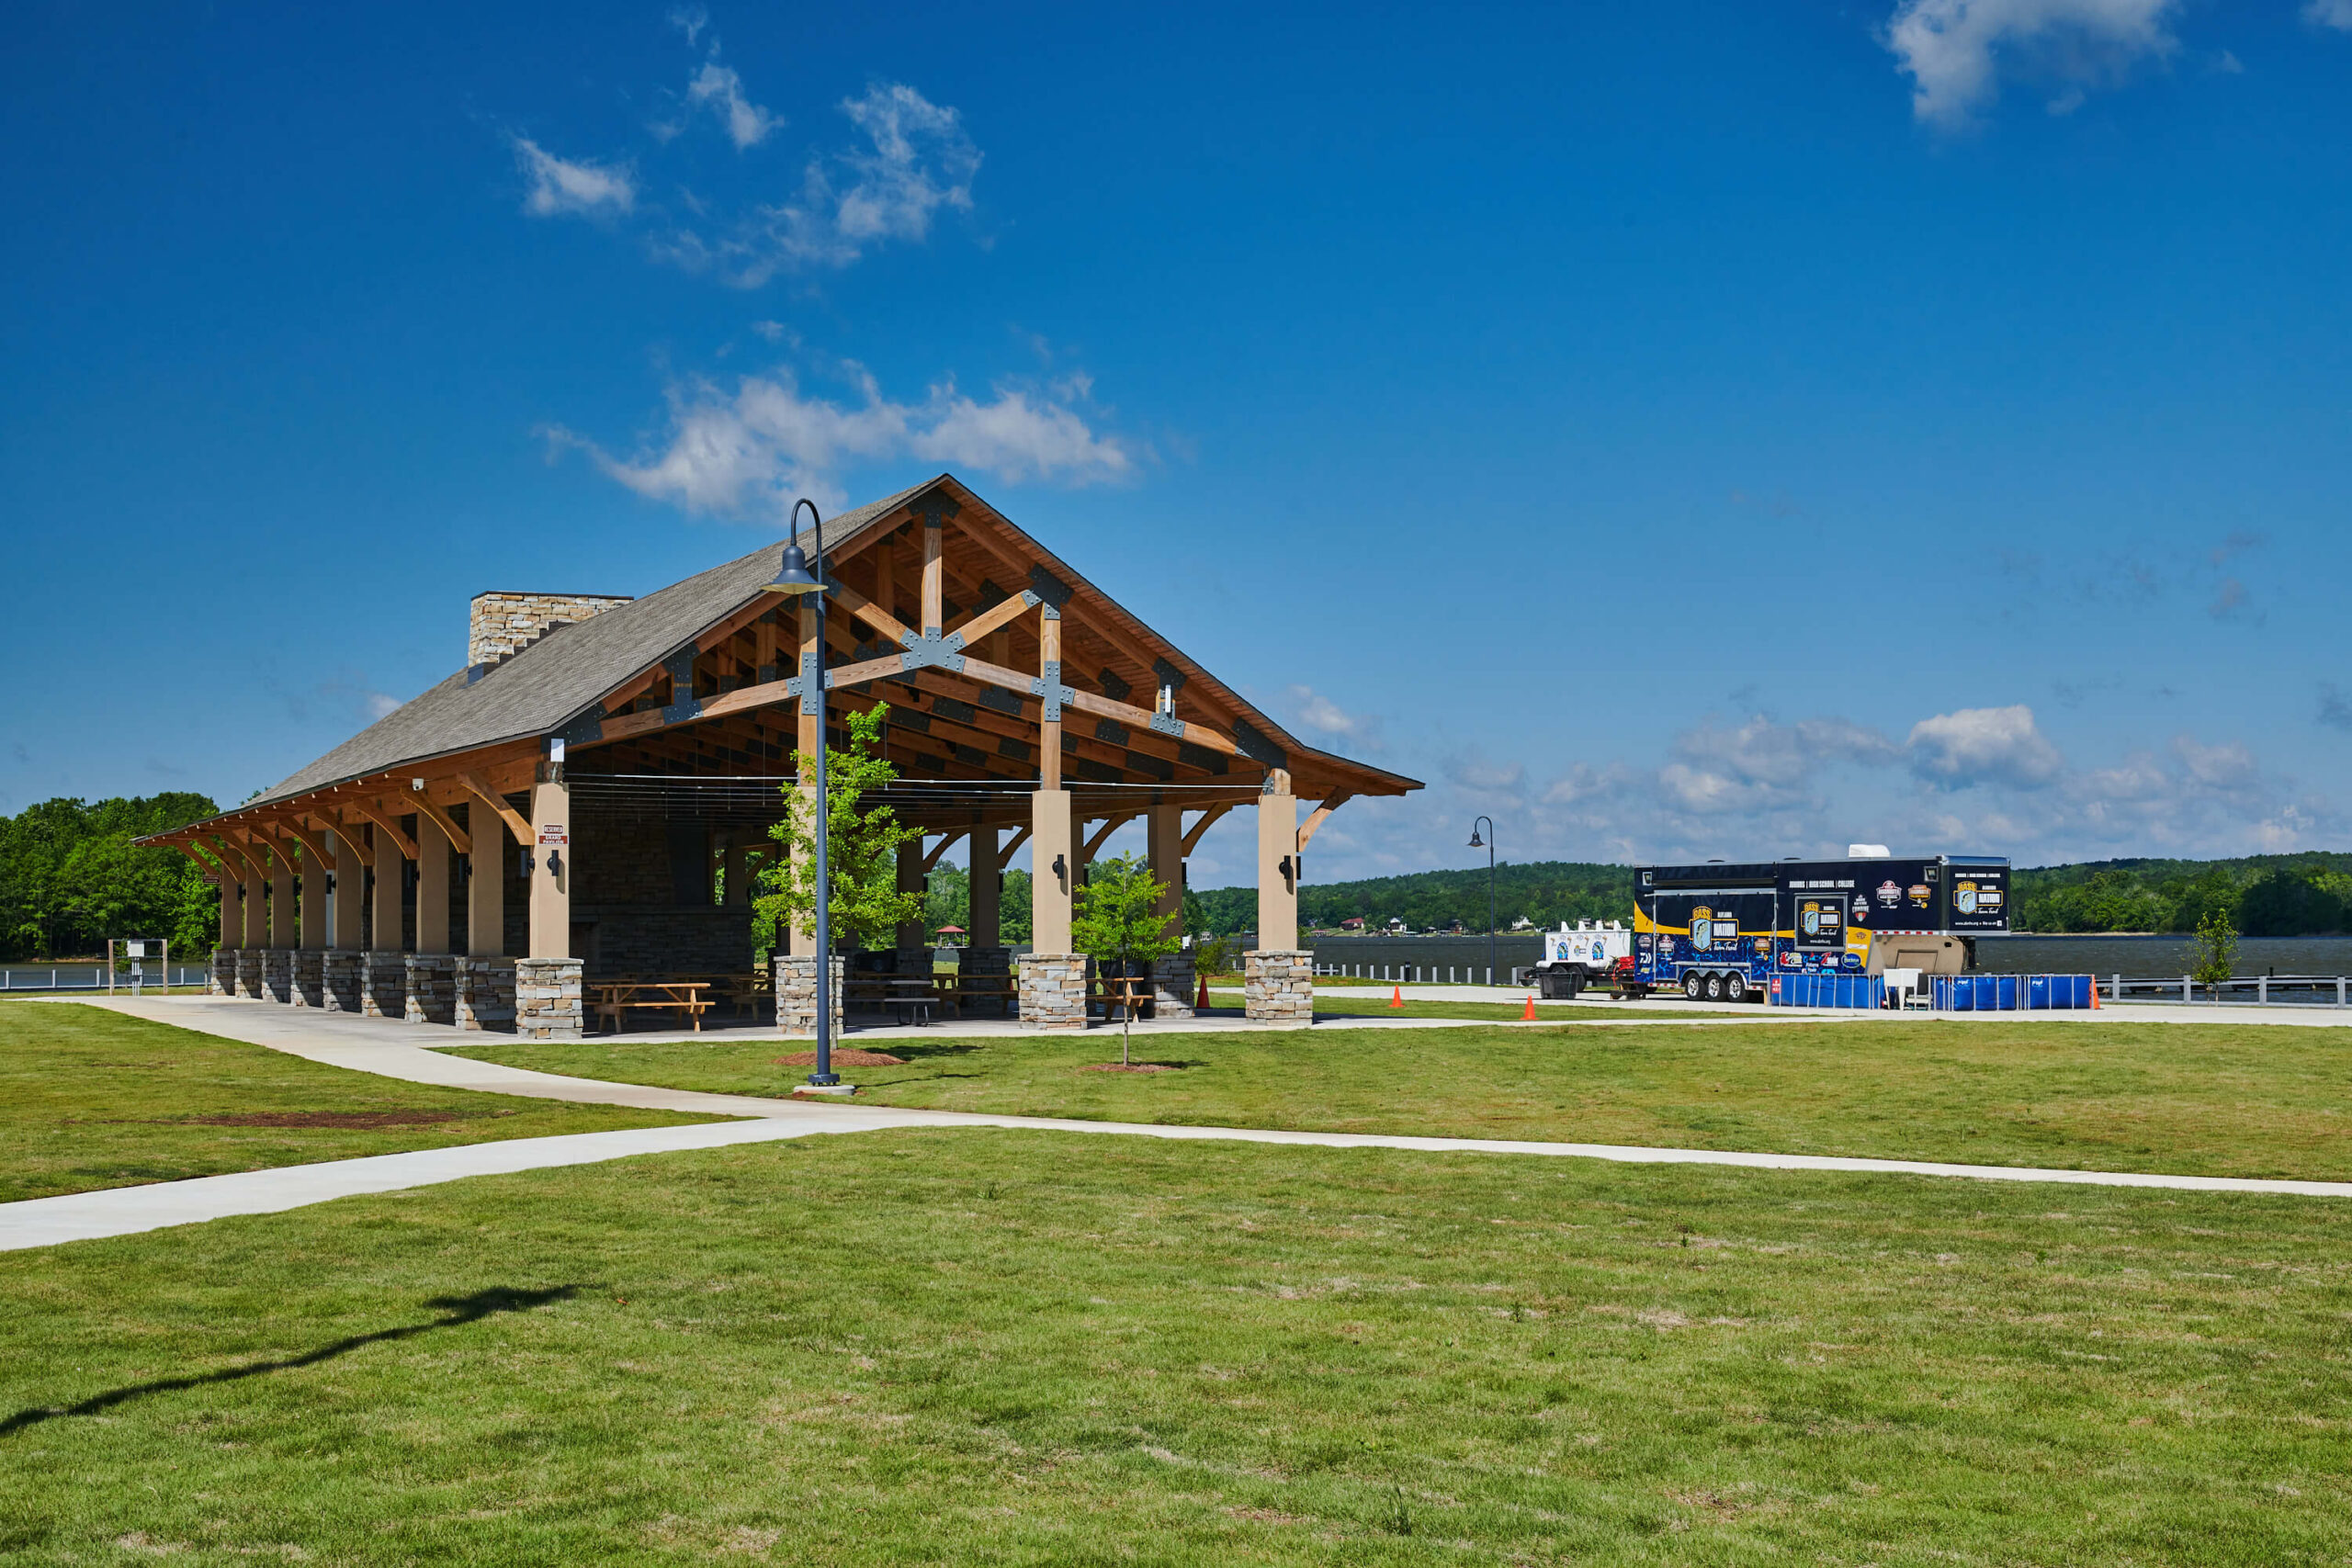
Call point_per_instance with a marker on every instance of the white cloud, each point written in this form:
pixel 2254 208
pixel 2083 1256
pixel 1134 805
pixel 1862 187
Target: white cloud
pixel 918 159
pixel 718 89
pixel 1310 709
pixel 2336 14
pixel 690 20
pixel 749 452
pixel 562 185
pixel 1956 52
pixel 1971 745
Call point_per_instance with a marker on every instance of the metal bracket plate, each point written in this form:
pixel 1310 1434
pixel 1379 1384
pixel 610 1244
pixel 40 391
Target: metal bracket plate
pixel 924 650
pixel 1168 723
pixel 1049 691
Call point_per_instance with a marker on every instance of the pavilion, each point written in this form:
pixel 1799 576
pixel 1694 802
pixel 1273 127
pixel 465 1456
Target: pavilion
pixel 586 797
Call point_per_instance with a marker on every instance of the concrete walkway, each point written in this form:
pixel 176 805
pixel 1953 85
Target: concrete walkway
pixel 401 1050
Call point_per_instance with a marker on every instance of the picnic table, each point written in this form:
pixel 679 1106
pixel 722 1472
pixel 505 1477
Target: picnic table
pixel 745 990
pixel 1128 991
pixel 902 994
pixel 957 990
pixel 616 998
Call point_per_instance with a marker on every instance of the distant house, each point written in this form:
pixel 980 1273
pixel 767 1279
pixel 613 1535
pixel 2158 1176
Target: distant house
pixel 1522 924
pixel 1397 927
pixel 1353 923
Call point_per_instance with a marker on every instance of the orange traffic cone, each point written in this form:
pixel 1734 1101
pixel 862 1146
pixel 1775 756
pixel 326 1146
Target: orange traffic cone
pixel 1201 1004
pixel 2094 993
pixel 1397 998
pixel 1528 1015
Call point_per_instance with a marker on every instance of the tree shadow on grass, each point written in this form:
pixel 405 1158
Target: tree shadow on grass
pixel 455 1312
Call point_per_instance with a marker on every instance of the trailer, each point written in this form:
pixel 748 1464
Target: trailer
pixel 1574 956
pixel 1723 932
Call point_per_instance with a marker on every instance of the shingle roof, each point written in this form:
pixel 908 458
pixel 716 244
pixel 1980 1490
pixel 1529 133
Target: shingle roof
pixel 561 676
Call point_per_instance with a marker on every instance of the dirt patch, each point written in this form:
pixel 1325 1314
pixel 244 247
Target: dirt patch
pixel 842 1058
pixel 1131 1067
pixel 325 1118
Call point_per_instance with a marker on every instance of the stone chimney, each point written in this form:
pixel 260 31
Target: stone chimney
pixel 503 625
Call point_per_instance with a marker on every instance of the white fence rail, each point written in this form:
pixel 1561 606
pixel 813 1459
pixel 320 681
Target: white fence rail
pixel 87 977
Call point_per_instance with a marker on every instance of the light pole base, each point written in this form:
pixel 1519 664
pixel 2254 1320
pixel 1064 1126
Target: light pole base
pixel 835 1087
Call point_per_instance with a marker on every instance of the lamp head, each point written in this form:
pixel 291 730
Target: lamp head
pixel 792 576
pixel 1476 843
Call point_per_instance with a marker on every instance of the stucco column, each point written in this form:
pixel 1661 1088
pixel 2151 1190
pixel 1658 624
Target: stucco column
pixel 987 888
pixel 1051 841
pixel 253 931
pixel 391 869
pixel 350 893
pixel 551 872
pixel 486 883
pixel 233 914
pixel 432 887
pixel 1278 865
pixel 737 871
pixel 281 896
pixel 1165 840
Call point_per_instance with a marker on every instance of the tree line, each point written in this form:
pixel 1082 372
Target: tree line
pixel 71 878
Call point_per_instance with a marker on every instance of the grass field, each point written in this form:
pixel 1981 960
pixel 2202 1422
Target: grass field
pixel 2221 1099
pixel 1374 1003
pixel 91 1099
pixel 1052 1349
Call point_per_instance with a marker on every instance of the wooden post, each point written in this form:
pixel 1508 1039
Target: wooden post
pixel 350 891
pixel 485 883
pixel 254 931
pixel 1049 730
pixel 233 916
pixel 1050 844
pixel 1277 865
pixel 432 887
pixel 551 871
pixel 390 872
pixel 935 593
pixel 911 932
pixel 281 895
pixel 988 878
pixel 1166 842
pixel 314 899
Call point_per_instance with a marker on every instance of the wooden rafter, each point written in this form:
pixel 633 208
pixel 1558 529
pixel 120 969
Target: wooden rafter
pixel 388 824
pixel 930 857
pixel 460 840
pixel 344 835
pixel 1208 815
pixel 1307 828
pixel 514 820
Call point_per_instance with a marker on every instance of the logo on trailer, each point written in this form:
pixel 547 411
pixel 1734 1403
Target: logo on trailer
pixel 1963 898
pixel 1920 893
pixel 1889 894
pixel 1861 908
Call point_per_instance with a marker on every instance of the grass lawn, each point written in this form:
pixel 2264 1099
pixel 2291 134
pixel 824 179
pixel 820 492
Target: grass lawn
pixel 2211 1100
pixel 91 1099
pixel 1372 1006
pixel 1050 1348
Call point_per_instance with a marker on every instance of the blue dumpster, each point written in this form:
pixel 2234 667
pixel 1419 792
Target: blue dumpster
pixel 2080 986
pixel 1964 993
pixel 2037 993
pixel 2006 992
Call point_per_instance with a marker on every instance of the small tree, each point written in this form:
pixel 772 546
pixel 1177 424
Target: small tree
pixel 2216 952
pixel 861 846
pixel 1117 920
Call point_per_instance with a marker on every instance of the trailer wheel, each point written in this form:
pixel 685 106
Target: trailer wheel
pixel 1694 986
pixel 1734 988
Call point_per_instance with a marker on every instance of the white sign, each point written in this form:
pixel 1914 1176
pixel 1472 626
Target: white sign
pixel 552 836
pixel 134 949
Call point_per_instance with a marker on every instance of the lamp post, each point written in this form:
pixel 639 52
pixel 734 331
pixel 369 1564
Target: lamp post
pixel 1487 844
pixel 793 577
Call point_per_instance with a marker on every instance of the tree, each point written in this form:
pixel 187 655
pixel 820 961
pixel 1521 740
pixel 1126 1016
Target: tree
pixel 2290 901
pixel 861 846
pixel 1117 920
pixel 2216 952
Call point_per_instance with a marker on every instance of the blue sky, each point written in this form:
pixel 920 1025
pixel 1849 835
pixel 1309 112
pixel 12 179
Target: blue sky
pixel 1735 429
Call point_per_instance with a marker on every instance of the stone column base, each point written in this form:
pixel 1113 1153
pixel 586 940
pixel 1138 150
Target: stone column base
pixel 278 975
pixel 1280 986
pixel 220 975
pixel 383 985
pixel 1053 990
pixel 1173 985
pixel 249 973
pixel 796 995
pixel 339 979
pixel 309 977
pixel 485 994
pixel 431 987
pixel 547 999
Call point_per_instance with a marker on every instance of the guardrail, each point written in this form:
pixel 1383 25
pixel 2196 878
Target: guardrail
pixel 2257 990
pixel 64 978
pixel 1409 974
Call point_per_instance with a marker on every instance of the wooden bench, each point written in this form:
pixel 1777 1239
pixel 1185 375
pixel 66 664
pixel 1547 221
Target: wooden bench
pixel 616 998
pixel 1128 991
pixel 959 991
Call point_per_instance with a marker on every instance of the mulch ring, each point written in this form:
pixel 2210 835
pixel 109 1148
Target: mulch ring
pixel 844 1058
pixel 326 1119
pixel 1130 1068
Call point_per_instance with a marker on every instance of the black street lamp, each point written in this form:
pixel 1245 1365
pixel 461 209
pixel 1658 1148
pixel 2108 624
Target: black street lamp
pixel 1487 843
pixel 794 578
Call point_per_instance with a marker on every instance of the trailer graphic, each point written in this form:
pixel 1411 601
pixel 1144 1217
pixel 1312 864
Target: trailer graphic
pixel 1720 931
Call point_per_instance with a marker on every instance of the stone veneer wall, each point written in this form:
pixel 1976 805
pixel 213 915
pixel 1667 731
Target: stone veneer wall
pixel 309 977
pixel 220 975
pixel 1279 985
pixel 547 999
pixel 796 995
pixel 1053 990
pixel 485 994
pixel 339 979
pixel 277 974
pixel 431 987
pixel 717 939
pixel 1172 986
pixel 501 625
pixel 249 972
pixel 986 961
pixel 383 984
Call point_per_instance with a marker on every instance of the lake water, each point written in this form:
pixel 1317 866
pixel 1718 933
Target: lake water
pixel 2144 957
